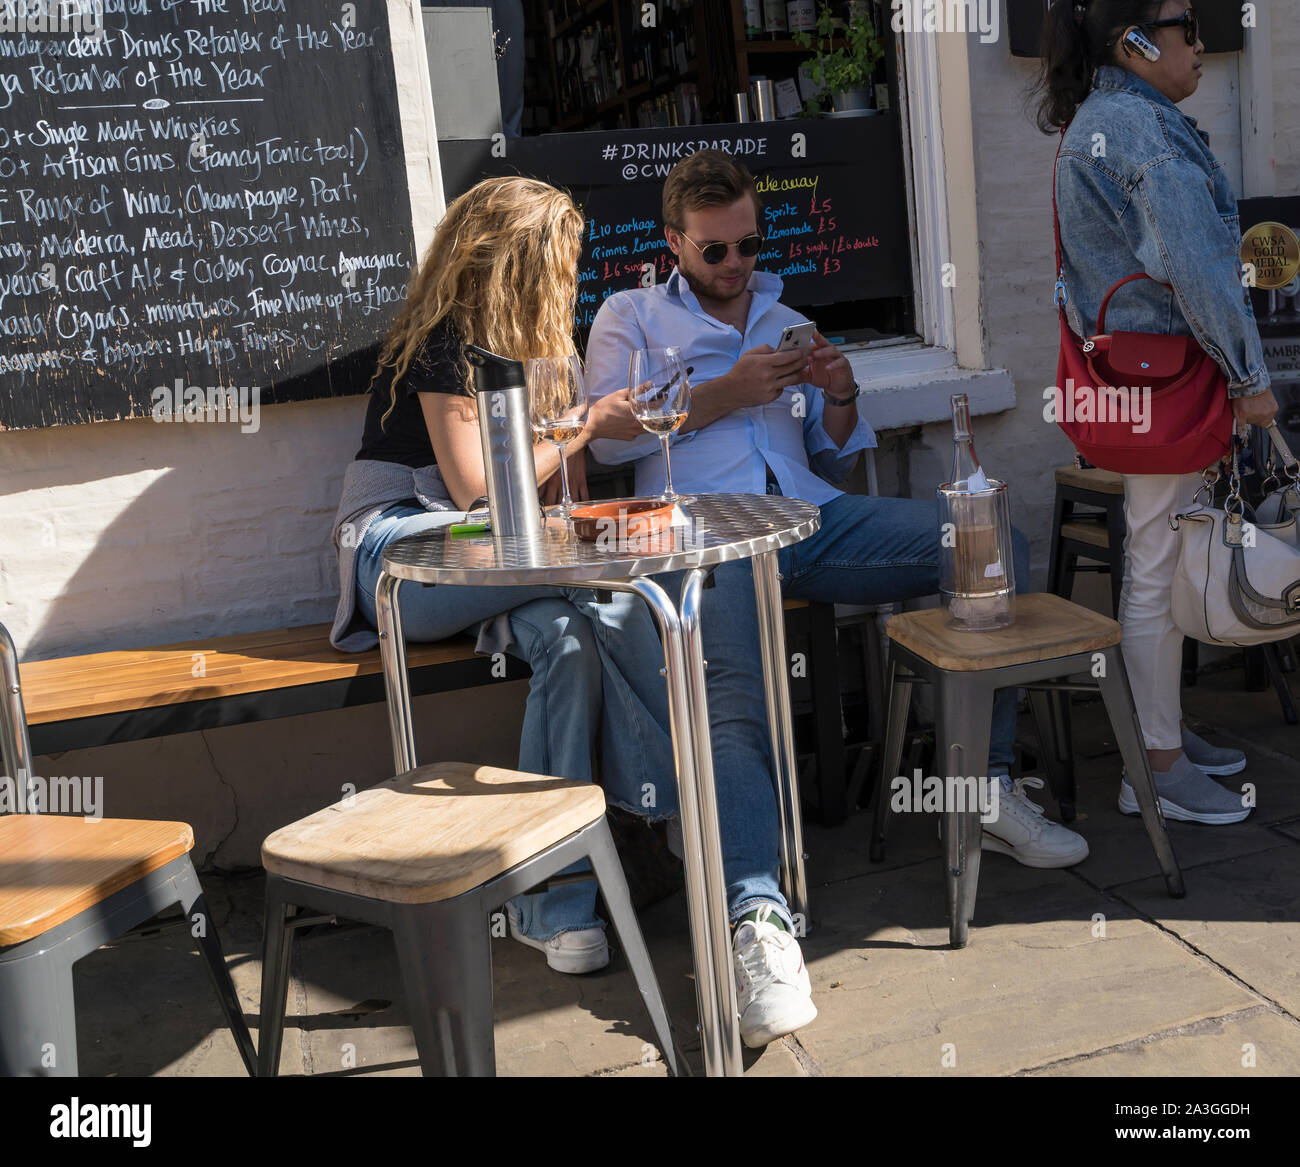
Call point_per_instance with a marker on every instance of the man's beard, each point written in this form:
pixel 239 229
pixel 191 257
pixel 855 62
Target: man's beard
pixel 712 285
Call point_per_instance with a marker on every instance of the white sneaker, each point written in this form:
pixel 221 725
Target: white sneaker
pixel 775 994
pixel 583 950
pixel 1022 831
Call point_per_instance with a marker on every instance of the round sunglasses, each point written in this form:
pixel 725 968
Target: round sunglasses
pixel 1191 25
pixel 715 253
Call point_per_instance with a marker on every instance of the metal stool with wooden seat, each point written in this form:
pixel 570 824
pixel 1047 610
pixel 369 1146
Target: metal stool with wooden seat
pixel 70 885
pixel 429 855
pixel 1050 638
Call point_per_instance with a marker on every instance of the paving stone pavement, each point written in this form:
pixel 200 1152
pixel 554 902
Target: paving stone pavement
pixel 1087 971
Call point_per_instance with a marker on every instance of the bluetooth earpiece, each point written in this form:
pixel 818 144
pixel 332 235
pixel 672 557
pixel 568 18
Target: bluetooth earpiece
pixel 1135 40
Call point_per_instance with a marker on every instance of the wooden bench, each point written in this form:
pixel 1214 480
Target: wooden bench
pixel 108 697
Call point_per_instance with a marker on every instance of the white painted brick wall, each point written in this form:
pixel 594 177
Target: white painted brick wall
pixel 130 533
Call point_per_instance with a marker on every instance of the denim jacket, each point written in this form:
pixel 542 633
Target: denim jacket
pixel 1139 190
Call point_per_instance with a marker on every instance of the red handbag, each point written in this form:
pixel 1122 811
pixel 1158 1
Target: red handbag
pixel 1138 402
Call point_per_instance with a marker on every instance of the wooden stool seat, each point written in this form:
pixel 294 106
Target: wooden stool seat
pixel 1101 481
pixel 433 833
pixel 56 866
pixel 1089 531
pixel 430 855
pixel 1045 627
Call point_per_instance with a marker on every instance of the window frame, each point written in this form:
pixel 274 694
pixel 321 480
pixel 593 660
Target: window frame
pixel 939 173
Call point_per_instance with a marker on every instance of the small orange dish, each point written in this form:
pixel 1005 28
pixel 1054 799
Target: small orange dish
pixel 622 519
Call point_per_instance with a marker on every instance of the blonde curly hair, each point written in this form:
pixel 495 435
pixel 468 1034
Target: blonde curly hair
pixel 503 268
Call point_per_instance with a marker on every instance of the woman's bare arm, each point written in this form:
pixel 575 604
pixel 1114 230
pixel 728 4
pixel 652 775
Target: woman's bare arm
pixel 452 421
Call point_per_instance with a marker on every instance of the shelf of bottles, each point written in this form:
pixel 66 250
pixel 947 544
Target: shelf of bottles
pixel 610 69
pixel 766 29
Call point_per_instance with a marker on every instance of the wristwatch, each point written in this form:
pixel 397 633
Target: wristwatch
pixel 849 400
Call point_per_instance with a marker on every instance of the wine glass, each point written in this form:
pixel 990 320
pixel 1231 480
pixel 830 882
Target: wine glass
pixel 661 399
pixel 557 397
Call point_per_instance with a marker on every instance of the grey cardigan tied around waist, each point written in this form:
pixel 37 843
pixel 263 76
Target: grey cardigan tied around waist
pixel 368 489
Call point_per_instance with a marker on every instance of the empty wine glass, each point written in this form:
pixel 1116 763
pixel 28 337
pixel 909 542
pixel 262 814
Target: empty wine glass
pixel 557 397
pixel 661 400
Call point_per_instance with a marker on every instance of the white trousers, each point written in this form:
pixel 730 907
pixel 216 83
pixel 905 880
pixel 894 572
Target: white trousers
pixel 1152 646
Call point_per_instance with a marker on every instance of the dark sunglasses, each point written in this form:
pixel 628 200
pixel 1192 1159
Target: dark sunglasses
pixel 1191 25
pixel 715 253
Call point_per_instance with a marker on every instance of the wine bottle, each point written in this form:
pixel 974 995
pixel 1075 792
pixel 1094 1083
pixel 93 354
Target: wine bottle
pixel 967 474
pixel 668 37
pixel 753 20
pixel 977 577
pixel 774 21
pixel 680 54
pixel 615 61
pixel 651 57
pixel 632 49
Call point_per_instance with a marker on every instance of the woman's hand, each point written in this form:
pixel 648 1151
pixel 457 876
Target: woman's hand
pixel 1258 410
pixel 611 417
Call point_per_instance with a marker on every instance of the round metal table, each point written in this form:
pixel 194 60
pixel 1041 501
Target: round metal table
pixel 719 528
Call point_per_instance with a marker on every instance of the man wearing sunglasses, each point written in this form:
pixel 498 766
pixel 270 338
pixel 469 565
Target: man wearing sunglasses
pixel 786 423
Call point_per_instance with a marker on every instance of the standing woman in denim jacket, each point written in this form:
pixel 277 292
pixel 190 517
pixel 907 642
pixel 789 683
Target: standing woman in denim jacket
pixel 1139 190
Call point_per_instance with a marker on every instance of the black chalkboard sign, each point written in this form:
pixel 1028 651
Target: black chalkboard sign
pixel 833 195
pixel 200 194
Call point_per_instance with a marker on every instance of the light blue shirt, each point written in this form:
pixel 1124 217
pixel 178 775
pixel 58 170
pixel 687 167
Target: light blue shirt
pixel 732 454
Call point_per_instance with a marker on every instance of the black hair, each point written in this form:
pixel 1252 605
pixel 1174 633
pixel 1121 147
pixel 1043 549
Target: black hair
pixel 1079 36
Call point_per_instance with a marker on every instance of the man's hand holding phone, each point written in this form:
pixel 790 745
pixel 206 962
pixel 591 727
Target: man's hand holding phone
pixel 762 374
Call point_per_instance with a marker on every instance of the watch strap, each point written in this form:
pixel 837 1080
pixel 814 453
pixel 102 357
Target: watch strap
pixel 849 400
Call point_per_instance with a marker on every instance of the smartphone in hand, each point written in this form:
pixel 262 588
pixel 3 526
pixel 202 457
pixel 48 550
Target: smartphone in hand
pixel 797 336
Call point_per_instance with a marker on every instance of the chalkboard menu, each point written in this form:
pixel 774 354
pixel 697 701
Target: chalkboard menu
pixel 835 219
pixel 196 193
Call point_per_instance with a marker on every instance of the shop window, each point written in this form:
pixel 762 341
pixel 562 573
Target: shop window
pixel 645 74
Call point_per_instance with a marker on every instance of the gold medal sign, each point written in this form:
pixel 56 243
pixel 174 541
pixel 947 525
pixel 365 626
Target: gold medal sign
pixel 1275 252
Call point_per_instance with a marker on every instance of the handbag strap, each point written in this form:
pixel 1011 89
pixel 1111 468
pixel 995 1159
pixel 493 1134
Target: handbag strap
pixel 1101 312
pixel 1061 294
pixel 1290 467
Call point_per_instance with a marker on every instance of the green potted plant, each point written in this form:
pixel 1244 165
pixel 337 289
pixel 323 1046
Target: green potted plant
pixel 844 71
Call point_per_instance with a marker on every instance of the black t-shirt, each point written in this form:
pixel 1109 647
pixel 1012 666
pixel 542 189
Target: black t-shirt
pixel 404 436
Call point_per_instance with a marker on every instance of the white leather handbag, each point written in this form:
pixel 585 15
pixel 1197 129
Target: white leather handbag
pixel 1238 575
